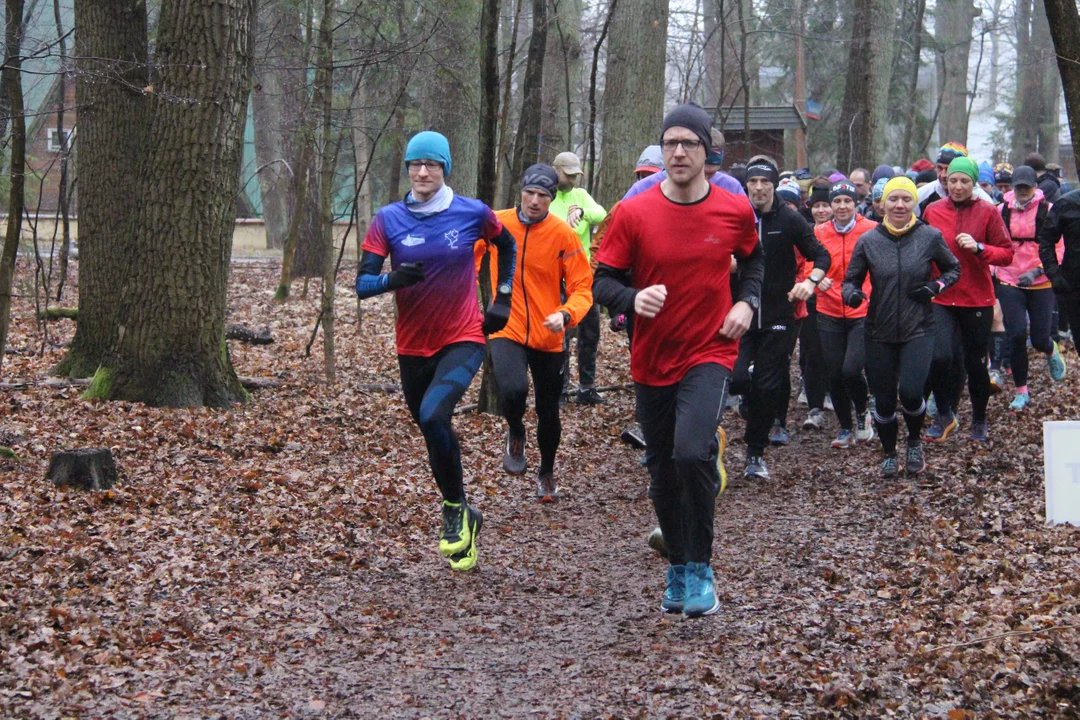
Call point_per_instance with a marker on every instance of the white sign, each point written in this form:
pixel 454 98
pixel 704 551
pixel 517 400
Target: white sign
pixel 1061 456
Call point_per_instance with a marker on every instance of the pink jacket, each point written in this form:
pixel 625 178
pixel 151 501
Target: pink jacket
pixel 1024 244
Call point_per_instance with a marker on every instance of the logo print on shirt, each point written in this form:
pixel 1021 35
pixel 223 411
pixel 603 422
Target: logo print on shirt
pixel 452 238
pixel 712 240
pixel 411 240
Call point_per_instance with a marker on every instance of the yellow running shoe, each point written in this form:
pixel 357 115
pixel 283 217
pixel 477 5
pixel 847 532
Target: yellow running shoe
pixel 466 559
pixel 722 440
pixel 455 535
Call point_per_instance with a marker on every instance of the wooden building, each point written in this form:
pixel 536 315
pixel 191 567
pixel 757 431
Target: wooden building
pixel 767 130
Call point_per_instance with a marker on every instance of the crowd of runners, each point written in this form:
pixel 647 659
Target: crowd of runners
pixel 899 287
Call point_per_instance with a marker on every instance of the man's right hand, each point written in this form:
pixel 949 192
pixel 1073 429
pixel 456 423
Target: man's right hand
pixel 648 302
pixel 407 274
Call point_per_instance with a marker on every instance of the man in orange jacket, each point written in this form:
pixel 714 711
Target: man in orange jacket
pixel 533 337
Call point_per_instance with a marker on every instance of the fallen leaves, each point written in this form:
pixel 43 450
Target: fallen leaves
pixel 279 559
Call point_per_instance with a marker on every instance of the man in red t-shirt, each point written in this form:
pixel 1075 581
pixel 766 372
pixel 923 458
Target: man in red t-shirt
pixel 666 257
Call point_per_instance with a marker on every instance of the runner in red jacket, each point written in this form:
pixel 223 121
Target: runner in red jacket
pixel 963 313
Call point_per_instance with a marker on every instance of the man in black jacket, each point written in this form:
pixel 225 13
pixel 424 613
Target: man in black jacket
pixel 771 339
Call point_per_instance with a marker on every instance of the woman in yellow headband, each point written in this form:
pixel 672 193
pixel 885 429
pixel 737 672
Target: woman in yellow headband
pixel 899 255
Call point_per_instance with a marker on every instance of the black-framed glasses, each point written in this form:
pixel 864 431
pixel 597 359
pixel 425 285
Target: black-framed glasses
pixel 415 165
pixel 687 145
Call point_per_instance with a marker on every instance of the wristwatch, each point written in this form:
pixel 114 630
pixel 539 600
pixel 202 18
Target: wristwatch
pixel 979 247
pixel 504 289
pixel 811 279
pixel 753 301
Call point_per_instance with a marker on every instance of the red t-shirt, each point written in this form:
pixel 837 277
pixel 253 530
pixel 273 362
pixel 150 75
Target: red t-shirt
pixel 688 249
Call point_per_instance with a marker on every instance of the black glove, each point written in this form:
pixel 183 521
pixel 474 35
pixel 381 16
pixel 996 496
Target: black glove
pixel 925 293
pixel 855 299
pixel 1060 284
pixel 1028 278
pixel 497 315
pixel 618 323
pixel 407 274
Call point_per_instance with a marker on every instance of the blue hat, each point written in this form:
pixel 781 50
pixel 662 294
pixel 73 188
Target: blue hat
pixel 883 171
pixel 429 145
pixel 789 190
pixel 986 173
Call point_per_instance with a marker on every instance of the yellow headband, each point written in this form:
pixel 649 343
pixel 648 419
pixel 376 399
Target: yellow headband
pixel 900 182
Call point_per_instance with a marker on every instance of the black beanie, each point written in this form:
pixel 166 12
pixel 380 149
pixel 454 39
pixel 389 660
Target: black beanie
pixel 761 167
pixel 541 177
pixel 843 188
pixel 692 117
pixel 925 176
pixel 819 193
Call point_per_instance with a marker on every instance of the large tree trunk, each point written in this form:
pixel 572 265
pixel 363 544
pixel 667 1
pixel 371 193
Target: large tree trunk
pixel 527 142
pixel 954 24
pixel 912 110
pixel 1050 87
pixel 277 97
pixel 633 92
pixel 562 70
pixel 111 69
pixel 861 133
pixel 171 350
pixel 1065 30
pixel 12 79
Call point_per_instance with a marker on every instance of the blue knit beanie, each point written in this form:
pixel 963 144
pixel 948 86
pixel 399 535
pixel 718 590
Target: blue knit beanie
pixel 882 171
pixel 986 173
pixel 429 145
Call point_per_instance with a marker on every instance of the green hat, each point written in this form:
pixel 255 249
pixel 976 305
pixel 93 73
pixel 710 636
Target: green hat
pixel 965 165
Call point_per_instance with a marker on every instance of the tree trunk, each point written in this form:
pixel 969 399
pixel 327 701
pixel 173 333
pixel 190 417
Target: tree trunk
pixel 324 85
pixel 171 349
pixel 560 93
pixel 501 164
pixel 111 67
pixel 527 142
pixel 12 79
pixel 487 141
pixel 1065 31
pixel 954 24
pixel 1049 86
pixel 277 96
pixel 633 92
pixel 861 132
pixel 65 151
pixel 913 84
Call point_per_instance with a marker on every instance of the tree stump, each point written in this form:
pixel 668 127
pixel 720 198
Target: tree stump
pixel 86 469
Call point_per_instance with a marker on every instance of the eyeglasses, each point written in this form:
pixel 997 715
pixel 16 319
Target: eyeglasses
pixel 416 165
pixel 687 145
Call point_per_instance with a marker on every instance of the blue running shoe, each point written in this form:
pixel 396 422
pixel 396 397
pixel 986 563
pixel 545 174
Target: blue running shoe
pixel 1019 402
pixel 1055 364
pixel 700 593
pixel 675 592
pixel 942 427
pixel 980 431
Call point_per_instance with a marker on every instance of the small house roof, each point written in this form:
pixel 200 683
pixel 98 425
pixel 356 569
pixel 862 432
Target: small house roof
pixel 780 117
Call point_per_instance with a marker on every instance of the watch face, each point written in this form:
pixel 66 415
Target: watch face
pixel 504 289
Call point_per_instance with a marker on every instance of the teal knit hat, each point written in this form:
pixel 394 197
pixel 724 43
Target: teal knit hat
pixel 429 145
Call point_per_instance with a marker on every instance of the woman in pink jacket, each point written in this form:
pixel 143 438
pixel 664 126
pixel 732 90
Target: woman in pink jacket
pixel 1023 289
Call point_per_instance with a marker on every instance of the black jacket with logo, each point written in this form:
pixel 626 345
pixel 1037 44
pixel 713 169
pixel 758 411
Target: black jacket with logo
pixel 898 265
pixel 783 231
